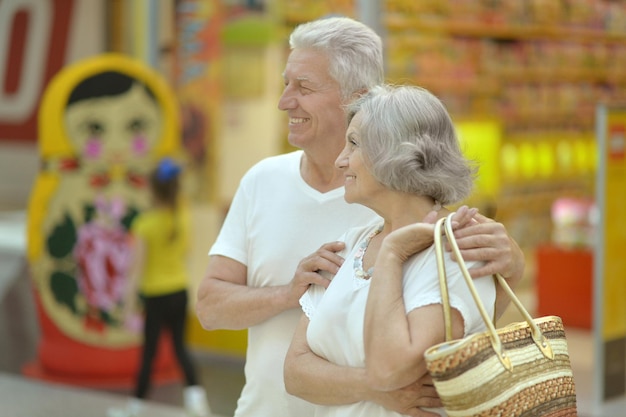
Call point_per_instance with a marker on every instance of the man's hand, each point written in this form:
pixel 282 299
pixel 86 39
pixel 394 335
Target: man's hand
pixel 317 268
pixel 410 399
pixel 487 240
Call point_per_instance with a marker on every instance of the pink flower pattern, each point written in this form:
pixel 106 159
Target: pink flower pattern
pixel 103 255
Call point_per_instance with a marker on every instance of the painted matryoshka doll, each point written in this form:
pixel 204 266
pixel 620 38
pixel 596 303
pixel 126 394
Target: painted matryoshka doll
pixel 103 122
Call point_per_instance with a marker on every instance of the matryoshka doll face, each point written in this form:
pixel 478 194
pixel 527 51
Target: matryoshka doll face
pixel 114 129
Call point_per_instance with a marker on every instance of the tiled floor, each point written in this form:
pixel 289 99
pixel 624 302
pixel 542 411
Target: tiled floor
pixel 22 397
pixel 223 378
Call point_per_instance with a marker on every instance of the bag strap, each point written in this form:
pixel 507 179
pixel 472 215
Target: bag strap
pixel 443 282
pixel 537 336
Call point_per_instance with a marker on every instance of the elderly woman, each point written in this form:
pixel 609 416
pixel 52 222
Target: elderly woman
pixel 383 308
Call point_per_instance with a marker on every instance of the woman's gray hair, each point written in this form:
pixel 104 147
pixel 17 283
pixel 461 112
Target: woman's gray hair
pixel 409 143
pixel 354 50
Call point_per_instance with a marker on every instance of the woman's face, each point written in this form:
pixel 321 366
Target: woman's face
pixel 360 185
pixel 114 129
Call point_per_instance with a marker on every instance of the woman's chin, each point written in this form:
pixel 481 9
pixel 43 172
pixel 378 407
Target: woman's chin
pixel 350 200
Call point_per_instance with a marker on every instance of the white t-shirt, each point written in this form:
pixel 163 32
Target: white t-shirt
pixel 274 221
pixel 335 331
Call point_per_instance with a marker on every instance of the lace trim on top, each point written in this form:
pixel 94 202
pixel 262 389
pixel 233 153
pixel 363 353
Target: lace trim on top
pixel 307 306
pixel 358 255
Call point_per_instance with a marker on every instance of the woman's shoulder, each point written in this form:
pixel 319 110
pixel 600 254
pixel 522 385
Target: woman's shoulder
pixel 355 234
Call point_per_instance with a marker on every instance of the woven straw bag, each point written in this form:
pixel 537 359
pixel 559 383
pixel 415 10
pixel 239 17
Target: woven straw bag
pixel 522 369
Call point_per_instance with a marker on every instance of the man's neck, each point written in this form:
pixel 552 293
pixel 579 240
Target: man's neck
pixel 322 175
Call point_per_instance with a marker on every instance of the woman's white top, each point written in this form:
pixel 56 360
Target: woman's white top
pixel 336 315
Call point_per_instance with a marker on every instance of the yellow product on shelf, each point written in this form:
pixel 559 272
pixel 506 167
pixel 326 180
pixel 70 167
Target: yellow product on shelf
pixel 592 150
pixel 528 160
pixel 480 141
pixel 564 157
pixel 545 159
pixel 509 162
pixel 581 156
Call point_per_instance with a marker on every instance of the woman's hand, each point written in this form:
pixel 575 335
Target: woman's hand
pixel 410 399
pixel 411 239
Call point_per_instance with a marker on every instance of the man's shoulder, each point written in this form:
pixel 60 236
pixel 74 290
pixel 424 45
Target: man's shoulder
pixel 273 165
pixel 282 161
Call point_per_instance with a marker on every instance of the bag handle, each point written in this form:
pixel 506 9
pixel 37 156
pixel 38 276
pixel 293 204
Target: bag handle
pixel 496 343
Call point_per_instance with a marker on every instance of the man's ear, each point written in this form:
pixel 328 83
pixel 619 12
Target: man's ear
pixel 359 93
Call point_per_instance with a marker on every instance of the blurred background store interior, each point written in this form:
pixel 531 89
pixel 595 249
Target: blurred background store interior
pixel 536 89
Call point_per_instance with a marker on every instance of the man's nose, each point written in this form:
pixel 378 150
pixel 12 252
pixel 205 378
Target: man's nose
pixel 287 101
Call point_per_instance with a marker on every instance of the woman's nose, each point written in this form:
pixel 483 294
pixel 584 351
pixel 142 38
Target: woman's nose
pixel 342 160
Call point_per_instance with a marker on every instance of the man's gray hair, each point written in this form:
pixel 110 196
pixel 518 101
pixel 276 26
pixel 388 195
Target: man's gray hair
pixel 354 51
